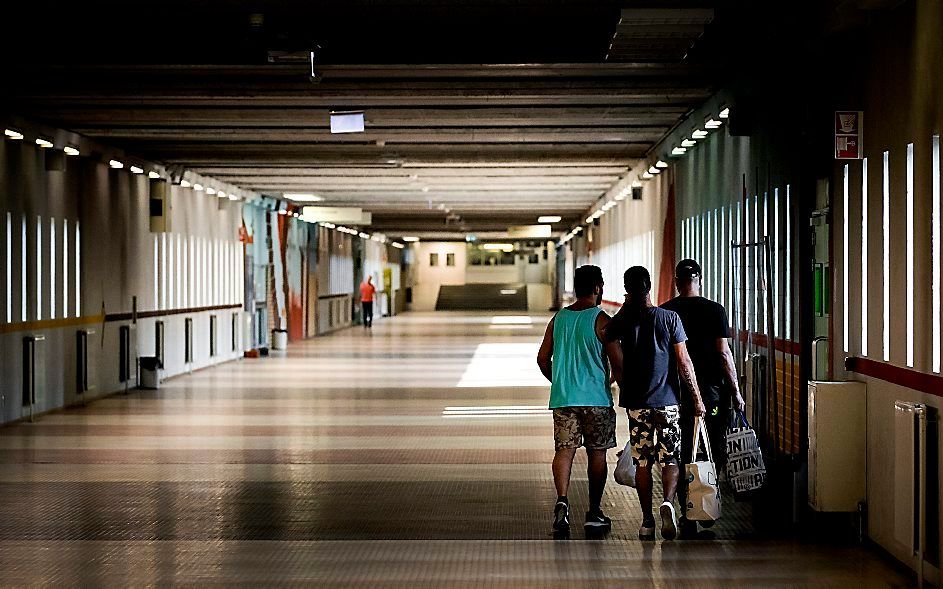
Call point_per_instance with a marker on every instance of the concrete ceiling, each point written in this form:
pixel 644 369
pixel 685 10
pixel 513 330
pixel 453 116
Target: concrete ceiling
pixel 447 148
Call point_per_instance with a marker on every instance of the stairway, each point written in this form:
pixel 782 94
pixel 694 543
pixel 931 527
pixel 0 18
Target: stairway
pixel 482 297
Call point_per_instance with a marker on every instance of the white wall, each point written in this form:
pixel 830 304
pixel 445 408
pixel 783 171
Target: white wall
pixel 120 260
pixel 428 278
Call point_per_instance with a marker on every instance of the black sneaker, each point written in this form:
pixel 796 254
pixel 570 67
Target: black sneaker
pixel 561 517
pixel 597 521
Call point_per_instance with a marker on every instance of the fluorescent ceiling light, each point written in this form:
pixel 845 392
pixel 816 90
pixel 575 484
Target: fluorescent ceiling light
pixel 153 175
pixel 233 197
pixel 688 143
pixel 398 245
pixel 136 170
pixel 713 123
pixel 653 170
pixel 425 189
pixel 365 235
pixel 661 164
pixel 329 225
pixel 647 176
pixel 410 238
pixel 699 134
pixel 724 113
pixel 283 212
pixel 11 134
pixel 115 164
pixel 44 143
pixel 184 184
pixel 198 187
pixel 621 195
pixel 679 151
pixel 589 219
pixel 347 122
pixel 302 197
pixel 549 219
pixel 220 194
pixel 210 190
pixel 69 150
pixel 636 184
pixel 504 247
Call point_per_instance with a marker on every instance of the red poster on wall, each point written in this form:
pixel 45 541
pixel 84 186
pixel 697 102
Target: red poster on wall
pixel 848 134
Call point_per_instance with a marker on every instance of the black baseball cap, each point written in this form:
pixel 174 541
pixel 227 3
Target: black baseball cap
pixel 687 269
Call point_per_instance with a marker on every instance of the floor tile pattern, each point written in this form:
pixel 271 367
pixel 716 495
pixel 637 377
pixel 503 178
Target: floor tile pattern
pixel 415 455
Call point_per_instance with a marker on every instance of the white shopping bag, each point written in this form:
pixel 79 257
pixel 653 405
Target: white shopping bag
pixel 745 468
pixel 624 474
pixel 703 497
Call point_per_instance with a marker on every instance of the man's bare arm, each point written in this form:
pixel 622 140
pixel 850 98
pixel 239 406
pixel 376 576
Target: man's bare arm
pixel 688 378
pixel 545 354
pixel 612 349
pixel 730 371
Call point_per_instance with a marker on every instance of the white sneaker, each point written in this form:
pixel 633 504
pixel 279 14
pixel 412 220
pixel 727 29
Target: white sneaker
pixel 669 521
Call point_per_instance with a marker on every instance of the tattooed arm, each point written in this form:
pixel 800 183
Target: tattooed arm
pixel 686 372
pixel 730 371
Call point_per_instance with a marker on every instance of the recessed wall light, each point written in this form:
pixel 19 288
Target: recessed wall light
pixel 302 197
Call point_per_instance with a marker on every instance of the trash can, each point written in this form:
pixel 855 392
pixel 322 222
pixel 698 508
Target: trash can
pixel 279 339
pixel 150 374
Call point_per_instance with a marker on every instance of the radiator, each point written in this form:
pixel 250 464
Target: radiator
pixel 910 474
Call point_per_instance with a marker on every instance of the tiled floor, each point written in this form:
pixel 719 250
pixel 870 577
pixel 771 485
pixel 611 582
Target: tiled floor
pixel 416 455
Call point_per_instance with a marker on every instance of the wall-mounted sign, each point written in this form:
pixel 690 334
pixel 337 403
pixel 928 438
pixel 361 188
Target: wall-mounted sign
pixel 524 231
pixel 349 215
pixel 849 134
pixel 347 122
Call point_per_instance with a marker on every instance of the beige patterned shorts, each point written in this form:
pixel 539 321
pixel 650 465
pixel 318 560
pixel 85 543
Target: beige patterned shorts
pixel 593 427
pixel 655 435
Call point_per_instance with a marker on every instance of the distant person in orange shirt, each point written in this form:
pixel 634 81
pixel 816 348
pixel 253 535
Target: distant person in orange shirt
pixel 367 290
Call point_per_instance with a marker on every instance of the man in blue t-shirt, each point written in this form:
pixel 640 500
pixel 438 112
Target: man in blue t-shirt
pixel 654 355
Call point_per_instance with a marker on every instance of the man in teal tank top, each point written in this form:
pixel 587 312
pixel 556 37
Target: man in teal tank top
pixel 580 366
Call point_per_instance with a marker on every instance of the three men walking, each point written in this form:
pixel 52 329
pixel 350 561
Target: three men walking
pixel 646 350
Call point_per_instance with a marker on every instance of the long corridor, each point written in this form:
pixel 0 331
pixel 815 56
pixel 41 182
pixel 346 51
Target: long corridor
pixel 416 454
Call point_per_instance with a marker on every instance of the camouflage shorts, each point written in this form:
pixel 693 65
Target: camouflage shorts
pixel 593 427
pixel 655 435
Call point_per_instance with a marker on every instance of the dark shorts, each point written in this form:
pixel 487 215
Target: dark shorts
pixel 655 435
pixel 593 427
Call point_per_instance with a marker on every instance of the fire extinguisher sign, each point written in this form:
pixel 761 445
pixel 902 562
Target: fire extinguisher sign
pixel 849 134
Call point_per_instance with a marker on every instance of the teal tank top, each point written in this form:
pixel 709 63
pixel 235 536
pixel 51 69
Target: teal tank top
pixel 580 377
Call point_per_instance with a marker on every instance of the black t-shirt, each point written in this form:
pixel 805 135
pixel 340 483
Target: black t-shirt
pixel 704 322
pixel 649 375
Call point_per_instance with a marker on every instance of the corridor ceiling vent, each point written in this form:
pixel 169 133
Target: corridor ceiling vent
pixel 657 34
pixel 12 134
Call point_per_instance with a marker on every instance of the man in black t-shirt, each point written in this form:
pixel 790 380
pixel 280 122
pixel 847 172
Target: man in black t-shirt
pixel 705 323
pixel 654 357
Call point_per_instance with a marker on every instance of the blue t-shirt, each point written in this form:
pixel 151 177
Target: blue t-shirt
pixel 649 374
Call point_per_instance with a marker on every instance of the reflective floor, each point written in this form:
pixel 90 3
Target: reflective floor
pixel 415 455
